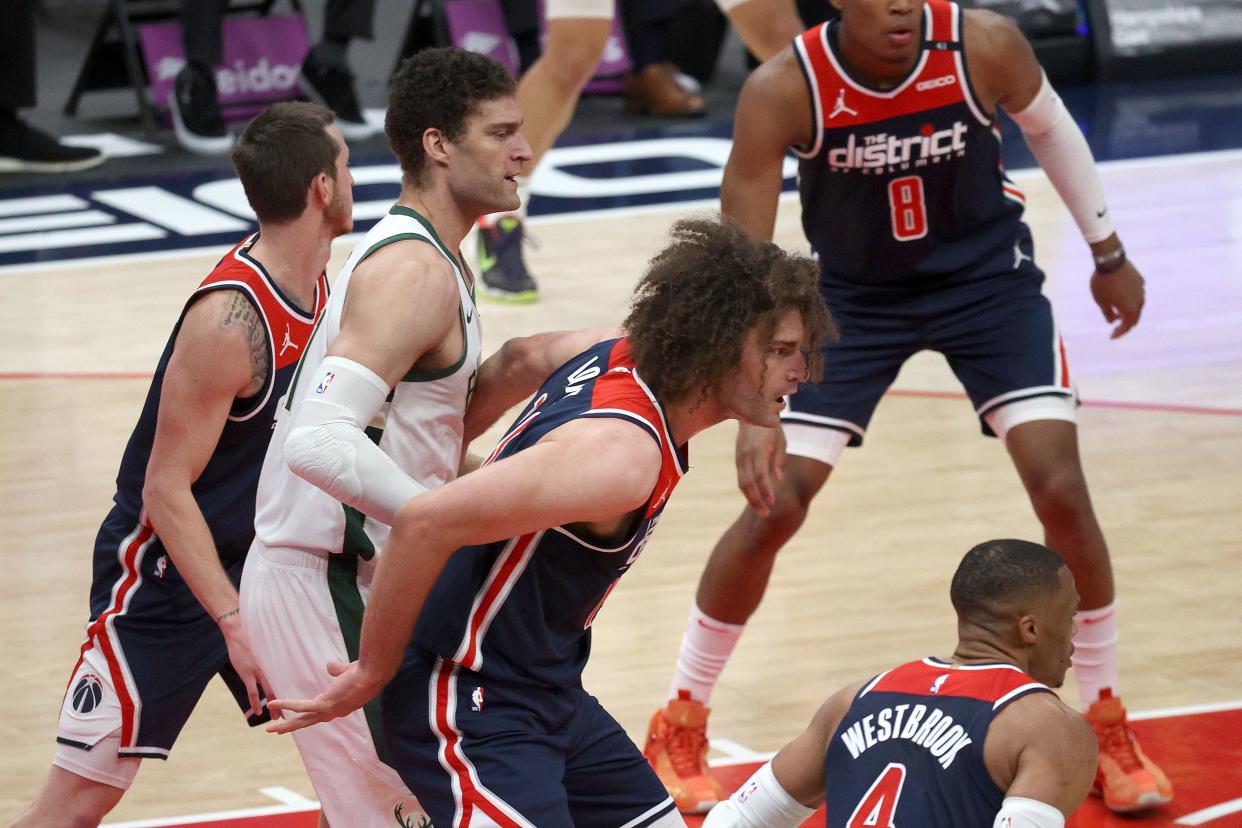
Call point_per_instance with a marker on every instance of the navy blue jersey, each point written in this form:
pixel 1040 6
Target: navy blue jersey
pixel 904 186
pixel 225 490
pixel 521 609
pixel 160 646
pixel 909 750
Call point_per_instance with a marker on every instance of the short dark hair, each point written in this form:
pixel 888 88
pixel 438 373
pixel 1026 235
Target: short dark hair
pixel 279 153
pixel 997 574
pixel 438 89
pixel 704 292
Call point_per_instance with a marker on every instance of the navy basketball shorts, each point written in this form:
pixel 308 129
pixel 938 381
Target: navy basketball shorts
pixel 478 752
pixel 148 656
pixel 999 339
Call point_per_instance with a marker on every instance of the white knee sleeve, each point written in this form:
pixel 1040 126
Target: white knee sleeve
pixel 328 446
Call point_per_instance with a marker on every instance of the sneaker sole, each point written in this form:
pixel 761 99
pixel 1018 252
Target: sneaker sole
pixel 351 130
pixel 195 143
pixel 1144 802
pixel 525 297
pixel 20 165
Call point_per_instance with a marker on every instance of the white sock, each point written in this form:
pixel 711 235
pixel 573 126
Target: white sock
pixel 705 649
pixel 523 191
pixel 1095 652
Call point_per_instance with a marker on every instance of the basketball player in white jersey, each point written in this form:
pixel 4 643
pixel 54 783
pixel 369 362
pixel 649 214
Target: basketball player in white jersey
pixel 375 413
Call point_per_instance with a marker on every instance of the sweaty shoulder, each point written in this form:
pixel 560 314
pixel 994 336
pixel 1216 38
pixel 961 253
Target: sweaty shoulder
pixel 406 269
pixel 224 329
pixel 1003 68
pixel 631 458
pixel 775 98
pixel 1039 748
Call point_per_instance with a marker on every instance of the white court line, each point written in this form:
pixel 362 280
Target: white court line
pixel 216 816
pixel 1209 814
pixel 1189 710
pixel 592 215
pixel 288 797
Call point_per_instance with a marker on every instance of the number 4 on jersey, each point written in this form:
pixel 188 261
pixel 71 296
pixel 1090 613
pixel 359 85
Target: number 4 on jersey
pixel 908 208
pixel 879 803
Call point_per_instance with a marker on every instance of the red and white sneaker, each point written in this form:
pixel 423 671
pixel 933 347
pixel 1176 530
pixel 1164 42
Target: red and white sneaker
pixel 1125 777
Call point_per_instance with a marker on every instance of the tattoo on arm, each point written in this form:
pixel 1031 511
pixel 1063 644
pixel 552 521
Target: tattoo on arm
pixel 242 314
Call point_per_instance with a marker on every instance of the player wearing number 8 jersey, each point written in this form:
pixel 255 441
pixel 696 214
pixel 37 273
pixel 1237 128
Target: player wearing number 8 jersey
pixel 892 110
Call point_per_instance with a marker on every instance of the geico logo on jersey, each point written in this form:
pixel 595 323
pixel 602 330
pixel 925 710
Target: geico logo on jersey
pixel 884 150
pixel 936 83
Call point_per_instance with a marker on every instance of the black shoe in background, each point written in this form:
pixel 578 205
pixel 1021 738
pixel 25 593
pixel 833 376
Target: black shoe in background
pixel 333 86
pixel 197 121
pixel 26 149
pixel 502 269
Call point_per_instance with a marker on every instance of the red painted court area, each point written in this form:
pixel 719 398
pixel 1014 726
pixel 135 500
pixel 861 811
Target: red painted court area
pixel 1201 752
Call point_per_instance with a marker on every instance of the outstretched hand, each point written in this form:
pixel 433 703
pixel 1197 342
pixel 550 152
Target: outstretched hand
pixel 1120 295
pixel 348 691
pixel 760 459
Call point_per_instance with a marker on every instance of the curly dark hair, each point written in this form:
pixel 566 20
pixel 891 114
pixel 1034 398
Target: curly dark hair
pixel 701 295
pixel 998 574
pixel 279 153
pixel 438 89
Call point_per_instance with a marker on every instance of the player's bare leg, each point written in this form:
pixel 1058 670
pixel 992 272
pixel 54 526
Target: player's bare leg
pixel 70 801
pixel 546 95
pixel 765 26
pixel 737 573
pixel 548 92
pixel 1045 453
pixel 730 589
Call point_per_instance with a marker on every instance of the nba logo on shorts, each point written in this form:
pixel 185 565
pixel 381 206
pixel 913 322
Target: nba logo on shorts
pixel 87 693
pixel 476 699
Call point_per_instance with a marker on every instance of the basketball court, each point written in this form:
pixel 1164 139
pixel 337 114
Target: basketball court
pixel 863 585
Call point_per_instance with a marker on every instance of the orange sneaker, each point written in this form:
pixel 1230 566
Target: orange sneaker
pixel 677 750
pixel 1125 777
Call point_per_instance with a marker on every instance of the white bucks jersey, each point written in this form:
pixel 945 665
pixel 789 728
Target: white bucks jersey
pixel 420 425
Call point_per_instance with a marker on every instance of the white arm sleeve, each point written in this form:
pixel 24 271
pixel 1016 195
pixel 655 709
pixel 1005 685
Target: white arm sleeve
pixel 1020 812
pixel 328 446
pixel 1060 148
pixel 761 802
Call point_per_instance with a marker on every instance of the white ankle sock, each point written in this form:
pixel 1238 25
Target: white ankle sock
pixel 1095 652
pixel 705 649
pixel 523 191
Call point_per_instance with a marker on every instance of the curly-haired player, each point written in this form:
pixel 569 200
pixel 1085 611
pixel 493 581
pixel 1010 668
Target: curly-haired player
pixel 487 720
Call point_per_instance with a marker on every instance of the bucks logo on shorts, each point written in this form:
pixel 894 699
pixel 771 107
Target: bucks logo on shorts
pixel 87 693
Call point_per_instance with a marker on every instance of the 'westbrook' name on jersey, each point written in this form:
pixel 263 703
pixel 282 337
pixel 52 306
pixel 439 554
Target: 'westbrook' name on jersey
pixel 936 732
pixel 885 151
